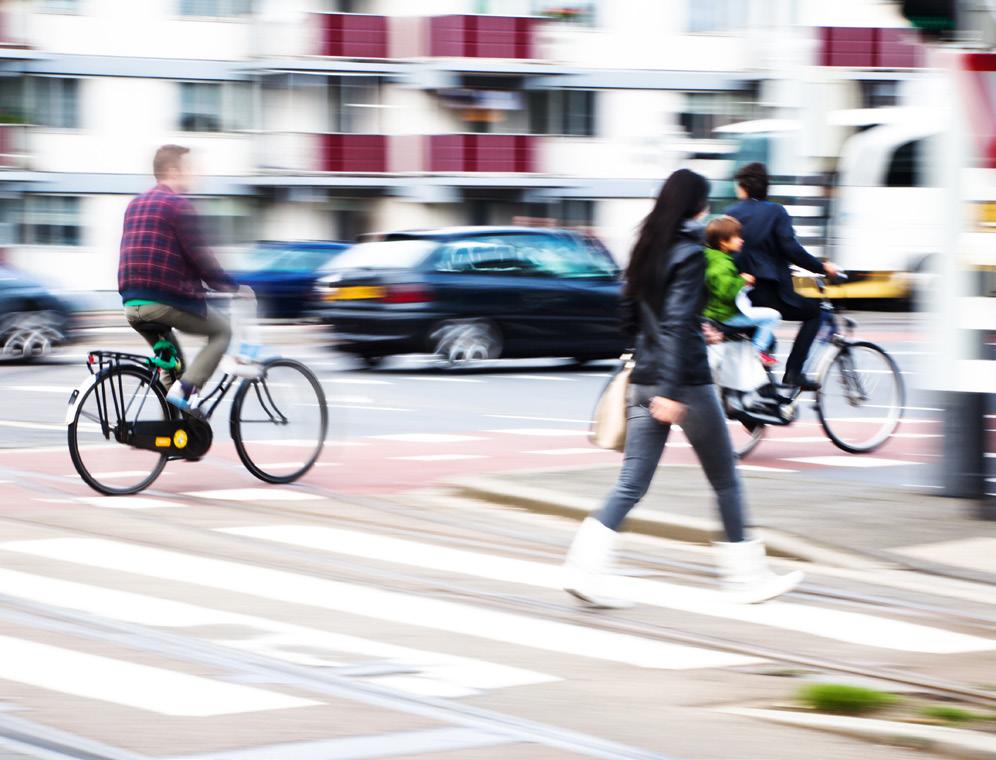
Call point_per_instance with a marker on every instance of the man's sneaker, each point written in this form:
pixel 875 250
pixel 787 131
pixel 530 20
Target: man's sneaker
pixel 767 359
pixel 182 399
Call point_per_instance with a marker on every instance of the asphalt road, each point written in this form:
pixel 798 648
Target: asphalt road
pixel 365 613
pixel 410 423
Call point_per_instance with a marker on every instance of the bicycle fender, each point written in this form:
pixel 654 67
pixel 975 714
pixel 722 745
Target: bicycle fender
pixel 76 396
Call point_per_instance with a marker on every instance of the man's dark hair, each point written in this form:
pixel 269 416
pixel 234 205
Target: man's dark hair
pixel 167 157
pixel 753 178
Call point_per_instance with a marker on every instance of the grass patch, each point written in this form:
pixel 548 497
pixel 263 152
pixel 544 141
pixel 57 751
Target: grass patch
pixel 949 714
pixel 842 699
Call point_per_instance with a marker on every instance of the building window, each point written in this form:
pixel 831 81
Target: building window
pixel 705 16
pixel 51 220
pixel 354 104
pixel 707 111
pixel 215 8
pixel 226 222
pixel 59 6
pixel 215 106
pixel 563 112
pixel 55 102
pixel 879 93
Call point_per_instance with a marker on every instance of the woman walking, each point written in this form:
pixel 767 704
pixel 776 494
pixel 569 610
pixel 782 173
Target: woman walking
pixel 670 384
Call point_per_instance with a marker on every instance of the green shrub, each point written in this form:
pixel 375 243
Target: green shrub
pixel 950 714
pixel 841 699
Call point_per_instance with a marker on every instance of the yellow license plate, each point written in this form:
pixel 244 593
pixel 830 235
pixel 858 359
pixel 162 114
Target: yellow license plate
pixel 355 293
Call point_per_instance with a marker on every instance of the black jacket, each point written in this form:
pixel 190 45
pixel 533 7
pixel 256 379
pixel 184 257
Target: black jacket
pixel 770 246
pixel 676 356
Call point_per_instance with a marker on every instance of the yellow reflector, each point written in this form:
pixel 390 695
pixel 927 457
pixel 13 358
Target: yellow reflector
pixel 162 442
pixel 355 293
pixel 180 438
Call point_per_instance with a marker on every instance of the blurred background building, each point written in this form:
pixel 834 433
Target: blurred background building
pixel 327 119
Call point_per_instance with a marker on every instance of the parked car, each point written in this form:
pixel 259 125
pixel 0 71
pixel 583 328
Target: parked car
pixel 474 293
pixel 283 274
pixel 33 321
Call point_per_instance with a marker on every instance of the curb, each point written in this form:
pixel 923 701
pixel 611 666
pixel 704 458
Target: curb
pixel 952 742
pixel 696 530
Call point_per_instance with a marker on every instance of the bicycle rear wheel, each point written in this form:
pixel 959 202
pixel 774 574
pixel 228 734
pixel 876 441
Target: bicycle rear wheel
pixel 745 436
pixel 861 398
pixel 279 421
pixel 119 395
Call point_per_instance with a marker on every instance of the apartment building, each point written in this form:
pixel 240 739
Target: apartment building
pixel 325 119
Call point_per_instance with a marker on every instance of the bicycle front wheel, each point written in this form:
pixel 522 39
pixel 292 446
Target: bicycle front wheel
pixel 119 397
pixel 279 421
pixel 745 436
pixel 861 398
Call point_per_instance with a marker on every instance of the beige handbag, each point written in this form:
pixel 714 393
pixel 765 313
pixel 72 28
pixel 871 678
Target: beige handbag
pixel 608 426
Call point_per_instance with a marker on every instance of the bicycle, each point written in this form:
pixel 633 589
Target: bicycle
pixel 859 401
pixel 122 431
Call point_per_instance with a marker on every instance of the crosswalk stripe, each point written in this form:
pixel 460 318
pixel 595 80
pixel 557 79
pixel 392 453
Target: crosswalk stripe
pixel 540 432
pixel 128 502
pixel 857 628
pixel 440 457
pixel 354 599
pixel 426 438
pixel 849 460
pixel 255 494
pixel 430 673
pixel 167 692
pixel 569 451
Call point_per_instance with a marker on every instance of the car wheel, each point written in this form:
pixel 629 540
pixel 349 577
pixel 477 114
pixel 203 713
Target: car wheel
pixel 463 341
pixel 372 361
pixel 29 335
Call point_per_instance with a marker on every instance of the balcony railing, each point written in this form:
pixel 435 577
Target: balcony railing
pixel 353 154
pixel 481 153
pixel 353 35
pixel 469 36
pixel 13 146
pixel 861 47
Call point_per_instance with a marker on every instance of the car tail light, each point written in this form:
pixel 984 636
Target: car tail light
pixel 406 294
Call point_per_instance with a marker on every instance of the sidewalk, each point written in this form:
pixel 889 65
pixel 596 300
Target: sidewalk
pixel 830 521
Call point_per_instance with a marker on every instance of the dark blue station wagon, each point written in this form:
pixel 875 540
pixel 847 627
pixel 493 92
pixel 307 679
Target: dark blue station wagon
pixel 472 293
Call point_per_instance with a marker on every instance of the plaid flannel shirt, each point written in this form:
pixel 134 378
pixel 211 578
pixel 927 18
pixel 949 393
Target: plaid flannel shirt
pixel 163 257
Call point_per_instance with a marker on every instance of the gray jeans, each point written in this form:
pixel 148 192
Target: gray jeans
pixel 705 427
pixel 149 321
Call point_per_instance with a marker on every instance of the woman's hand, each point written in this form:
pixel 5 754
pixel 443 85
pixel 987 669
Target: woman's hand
pixel 748 278
pixel 666 411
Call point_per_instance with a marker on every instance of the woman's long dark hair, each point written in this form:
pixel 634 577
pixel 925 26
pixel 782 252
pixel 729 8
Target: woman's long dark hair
pixel 684 196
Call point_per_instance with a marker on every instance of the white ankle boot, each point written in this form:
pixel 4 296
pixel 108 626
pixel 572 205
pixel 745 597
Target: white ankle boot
pixel 747 579
pixel 590 561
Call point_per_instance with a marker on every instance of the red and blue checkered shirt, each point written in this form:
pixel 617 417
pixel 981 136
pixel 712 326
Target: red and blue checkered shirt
pixel 163 257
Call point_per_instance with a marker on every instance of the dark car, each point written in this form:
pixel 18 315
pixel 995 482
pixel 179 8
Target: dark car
pixel 474 293
pixel 33 321
pixel 283 274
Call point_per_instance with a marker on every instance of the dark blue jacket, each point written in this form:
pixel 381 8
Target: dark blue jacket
pixel 770 246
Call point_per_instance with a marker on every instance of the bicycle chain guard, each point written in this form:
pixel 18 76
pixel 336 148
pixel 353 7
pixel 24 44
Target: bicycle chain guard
pixel 189 438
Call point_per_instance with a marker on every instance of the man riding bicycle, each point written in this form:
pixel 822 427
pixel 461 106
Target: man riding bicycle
pixel 162 271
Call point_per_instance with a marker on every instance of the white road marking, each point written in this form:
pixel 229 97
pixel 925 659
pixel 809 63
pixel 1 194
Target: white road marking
pixel 293 442
pixel 762 468
pixel 31 425
pixel 857 628
pixel 371 408
pixel 426 438
pixel 849 460
pixel 166 692
pixel 917 435
pixel 977 553
pixel 569 452
pixel 536 419
pixel 553 378
pixel 354 381
pixel 128 502
pixel 440 457
pixel 354 599
pixel 282 464
pixel 798 439
pixel 540 432
pixel 439 379
pixel 119 474
pixel 349 399
pixel 63 389
pixel 435 673
pixel 253 494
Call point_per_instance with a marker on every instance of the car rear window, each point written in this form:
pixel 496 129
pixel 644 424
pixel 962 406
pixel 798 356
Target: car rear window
pixel 384 254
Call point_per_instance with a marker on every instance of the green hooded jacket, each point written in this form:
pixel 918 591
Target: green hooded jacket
pixel 723 281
